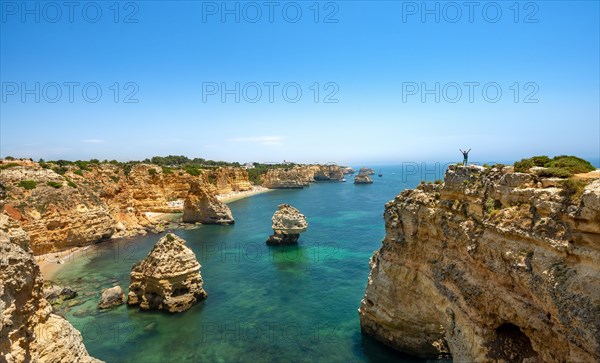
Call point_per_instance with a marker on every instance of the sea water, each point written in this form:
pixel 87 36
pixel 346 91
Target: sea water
pixel 265 304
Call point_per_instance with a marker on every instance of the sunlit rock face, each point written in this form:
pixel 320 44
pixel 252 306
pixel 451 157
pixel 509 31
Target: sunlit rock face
pixel 489 266
pixel 168 278
pixel 29 332
pixel 288 223
pixel 201 206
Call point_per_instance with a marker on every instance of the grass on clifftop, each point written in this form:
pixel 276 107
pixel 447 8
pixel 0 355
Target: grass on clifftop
pixel 562 166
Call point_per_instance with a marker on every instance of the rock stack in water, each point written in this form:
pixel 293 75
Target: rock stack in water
pixel 200 206
pixel 363 178
pixel 168 278
pixel 288 223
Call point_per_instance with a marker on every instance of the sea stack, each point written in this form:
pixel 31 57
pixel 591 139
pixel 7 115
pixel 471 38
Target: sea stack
pixel 201 206
pixel 288 223
pixel 363 178
pixel 168 278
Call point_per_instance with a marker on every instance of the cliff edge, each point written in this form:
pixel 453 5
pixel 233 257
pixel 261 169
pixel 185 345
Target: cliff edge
pixel 489 266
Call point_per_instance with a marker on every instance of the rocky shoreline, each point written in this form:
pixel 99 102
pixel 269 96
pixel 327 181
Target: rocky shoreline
pixel 489 266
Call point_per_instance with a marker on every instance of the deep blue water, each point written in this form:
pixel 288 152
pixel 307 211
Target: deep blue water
pixel 265 304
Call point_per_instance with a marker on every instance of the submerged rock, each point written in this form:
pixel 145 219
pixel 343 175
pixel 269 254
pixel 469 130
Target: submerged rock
pixel 168 278
pixel 112 297
pixel 201 206
pixel 288 223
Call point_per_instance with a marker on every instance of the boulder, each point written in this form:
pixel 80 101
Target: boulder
pixel 287 225
pixel 112 297
pixel 168 278
pixel 201 206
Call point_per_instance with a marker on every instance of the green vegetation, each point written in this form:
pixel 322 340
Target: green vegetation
pixel 9 158
pixel 54 185
pixel 562 166
pixel 212 179
pixel 60 170
pixel 9 165
pixel 78 172
pixel 167 170
pixel 572 189
pixel 70 183
pixel 192 170
pixel 180 160
pixel 438 181
pixel 27 184
pixel 152 172
pixel 492 207
pixel 114 178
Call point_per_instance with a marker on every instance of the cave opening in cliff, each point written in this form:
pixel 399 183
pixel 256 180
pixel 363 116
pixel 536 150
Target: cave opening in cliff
pixel 511 344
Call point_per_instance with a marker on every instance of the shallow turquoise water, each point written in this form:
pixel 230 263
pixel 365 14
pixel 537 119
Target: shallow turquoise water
pixel 265 304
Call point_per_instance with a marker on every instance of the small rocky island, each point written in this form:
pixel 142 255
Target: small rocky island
pixel 363 178
pixel 168 278
pixel 288 223
pixel 201 206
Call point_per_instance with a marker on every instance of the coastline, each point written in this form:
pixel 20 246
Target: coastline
pixel 51 263
pixel 235 196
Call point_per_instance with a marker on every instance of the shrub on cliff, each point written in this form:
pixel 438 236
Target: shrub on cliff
pixel 572 189
pixel 27 184
pixel 9 165
pixel 54 185
pixel 562 166
pixel 571 163
pixel 152 172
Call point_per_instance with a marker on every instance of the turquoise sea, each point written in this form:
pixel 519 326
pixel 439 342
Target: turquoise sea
pixel 265 304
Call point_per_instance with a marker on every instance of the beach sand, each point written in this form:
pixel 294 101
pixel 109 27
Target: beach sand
pixel 233 196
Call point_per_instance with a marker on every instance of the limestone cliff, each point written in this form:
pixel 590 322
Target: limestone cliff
pixel 200 206
pixel 489 266
pixel 168 278
pixel 29 331
pixel 299 176
pixel 84 206
pixel 56 214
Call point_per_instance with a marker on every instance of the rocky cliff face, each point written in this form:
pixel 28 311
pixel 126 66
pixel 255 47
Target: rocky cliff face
pixel 29 332
pixel 57 215
pixel 168 278
pixel 489 266
pixel 85 206
pixel 200 206
pixel 300 176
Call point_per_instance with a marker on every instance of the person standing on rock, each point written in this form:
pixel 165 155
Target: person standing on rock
pixel 465 156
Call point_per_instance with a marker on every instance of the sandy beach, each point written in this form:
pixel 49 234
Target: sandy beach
pixel 233 196
pixel 50 263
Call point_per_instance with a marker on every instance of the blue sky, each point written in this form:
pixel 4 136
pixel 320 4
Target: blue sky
pixel 375 58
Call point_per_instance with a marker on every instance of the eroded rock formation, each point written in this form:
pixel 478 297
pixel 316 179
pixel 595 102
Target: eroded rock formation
pixel 168 278
pixel 363 178
pixel 489 266
pixel 288 223
pixel 200 206
pixel 29 332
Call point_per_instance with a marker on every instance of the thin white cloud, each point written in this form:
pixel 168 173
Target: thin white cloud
pixel 263 140
pixel 92 141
